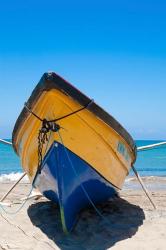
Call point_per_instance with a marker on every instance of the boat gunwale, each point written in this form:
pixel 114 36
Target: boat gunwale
pixel 53 81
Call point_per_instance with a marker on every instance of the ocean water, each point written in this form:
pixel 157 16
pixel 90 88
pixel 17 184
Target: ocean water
pixel 149 163
pixel 10 167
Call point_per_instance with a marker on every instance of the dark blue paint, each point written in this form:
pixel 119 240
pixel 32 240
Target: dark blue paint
pixel 66 178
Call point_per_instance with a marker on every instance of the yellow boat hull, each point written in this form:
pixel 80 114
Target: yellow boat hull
pixel 102 150
pixel 84 133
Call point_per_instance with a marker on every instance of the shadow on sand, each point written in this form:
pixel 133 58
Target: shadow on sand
pixel 122 220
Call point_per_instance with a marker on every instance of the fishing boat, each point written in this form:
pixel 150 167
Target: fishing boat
pixel 72 150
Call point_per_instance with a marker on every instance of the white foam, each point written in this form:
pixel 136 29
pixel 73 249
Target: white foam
pixel 12 177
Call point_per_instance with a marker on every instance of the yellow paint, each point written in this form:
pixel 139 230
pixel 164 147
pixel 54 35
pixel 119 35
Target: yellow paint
pixel 83 133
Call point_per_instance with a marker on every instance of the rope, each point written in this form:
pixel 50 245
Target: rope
pixel 60 118
pixel 65 116
pixel 30 111
pixel 5 142
pixel 82 186
pixel 151 146
pixel 19 209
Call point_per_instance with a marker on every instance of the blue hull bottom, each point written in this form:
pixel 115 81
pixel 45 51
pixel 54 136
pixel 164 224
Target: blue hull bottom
pixel 72 183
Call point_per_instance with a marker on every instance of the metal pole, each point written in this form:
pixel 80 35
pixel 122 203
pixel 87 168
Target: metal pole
pixel 15 184
pixel 5 142
pixel 143 187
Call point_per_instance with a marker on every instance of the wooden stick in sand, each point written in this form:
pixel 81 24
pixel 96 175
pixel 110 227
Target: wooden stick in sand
pixel 15 184
pixel 143 187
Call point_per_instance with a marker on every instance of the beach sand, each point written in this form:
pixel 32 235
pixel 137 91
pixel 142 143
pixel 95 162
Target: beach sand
pixel 129 222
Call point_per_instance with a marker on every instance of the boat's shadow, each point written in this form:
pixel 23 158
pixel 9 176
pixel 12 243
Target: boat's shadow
pixel 121 221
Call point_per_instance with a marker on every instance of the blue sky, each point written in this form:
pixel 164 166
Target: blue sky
pixel 114 51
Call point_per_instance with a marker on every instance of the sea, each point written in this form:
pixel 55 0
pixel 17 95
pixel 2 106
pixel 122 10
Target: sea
pixel 149 162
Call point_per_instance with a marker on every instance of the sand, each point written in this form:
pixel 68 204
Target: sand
pixel 129 222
